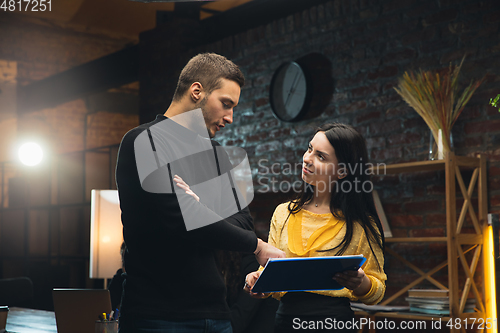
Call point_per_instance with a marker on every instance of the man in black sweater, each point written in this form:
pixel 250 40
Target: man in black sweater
pixel 172 281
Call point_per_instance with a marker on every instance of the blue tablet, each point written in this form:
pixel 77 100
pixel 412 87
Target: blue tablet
pixel 305 274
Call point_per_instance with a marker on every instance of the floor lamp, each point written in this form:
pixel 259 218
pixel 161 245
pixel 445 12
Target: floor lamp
pixel 106 235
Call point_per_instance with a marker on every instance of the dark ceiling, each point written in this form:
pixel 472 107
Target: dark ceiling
pixel 116 18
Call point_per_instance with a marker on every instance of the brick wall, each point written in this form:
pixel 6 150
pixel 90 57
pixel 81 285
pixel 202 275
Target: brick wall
pixel 370 44
pixel 39 238
pixel 41 51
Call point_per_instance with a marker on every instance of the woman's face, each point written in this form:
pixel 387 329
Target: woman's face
pixel 320 166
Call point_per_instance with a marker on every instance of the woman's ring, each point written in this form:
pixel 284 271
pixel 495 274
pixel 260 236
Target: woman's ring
pixel 247 285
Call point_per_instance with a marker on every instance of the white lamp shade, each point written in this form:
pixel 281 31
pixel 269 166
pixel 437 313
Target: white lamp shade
pixel 106 234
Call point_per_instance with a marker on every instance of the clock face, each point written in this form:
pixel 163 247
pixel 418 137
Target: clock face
pixel 289 92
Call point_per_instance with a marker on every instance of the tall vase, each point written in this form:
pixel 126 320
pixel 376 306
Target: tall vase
pixel 438 146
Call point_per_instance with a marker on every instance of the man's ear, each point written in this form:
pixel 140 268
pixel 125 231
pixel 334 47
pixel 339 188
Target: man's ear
pixel 342 173
pixel 196 92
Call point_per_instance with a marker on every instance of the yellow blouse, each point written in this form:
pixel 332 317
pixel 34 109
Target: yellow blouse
pixel 321 232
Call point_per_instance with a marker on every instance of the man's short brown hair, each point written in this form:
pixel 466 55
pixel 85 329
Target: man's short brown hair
pixel 207 69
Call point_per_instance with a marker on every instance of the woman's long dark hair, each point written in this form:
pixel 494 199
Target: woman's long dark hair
pixel 354 203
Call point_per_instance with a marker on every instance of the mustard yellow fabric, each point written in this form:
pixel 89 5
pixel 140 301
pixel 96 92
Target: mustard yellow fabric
pixel 307 232
pixel 321 229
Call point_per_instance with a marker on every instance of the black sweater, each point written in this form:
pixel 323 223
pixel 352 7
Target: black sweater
pixel 171 273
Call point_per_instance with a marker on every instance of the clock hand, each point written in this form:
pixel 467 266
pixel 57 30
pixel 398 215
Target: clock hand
pixel 292 89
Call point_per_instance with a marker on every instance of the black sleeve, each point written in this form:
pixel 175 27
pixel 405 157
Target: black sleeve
pixel 160 213
pixel 115 288
pixel 250 312
pixel 242 219
pixel 227 234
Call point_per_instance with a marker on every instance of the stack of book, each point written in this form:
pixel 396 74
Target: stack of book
pixel 434 302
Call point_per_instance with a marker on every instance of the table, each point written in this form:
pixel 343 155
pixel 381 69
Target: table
pixel 21 320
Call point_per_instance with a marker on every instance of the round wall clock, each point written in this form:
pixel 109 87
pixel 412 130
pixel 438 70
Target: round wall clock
pixel 290 92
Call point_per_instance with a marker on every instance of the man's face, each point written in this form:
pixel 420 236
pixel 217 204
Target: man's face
pixel 218 107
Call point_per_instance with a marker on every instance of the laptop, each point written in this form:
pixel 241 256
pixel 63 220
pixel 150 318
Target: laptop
pixel 78 309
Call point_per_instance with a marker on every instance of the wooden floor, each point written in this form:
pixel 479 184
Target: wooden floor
pixel 20 320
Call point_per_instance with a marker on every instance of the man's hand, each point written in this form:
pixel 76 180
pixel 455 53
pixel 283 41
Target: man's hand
pixel 265 251
pixel 182 184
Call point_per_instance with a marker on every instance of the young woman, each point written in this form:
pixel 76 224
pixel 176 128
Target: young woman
pixel 334 214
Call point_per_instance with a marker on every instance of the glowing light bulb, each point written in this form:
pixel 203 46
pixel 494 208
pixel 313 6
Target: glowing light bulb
pixel 30 154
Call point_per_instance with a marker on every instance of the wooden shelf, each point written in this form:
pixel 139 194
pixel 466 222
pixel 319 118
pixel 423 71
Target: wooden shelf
pixel 417 316
pixel 454 239
pixel 461 161
pixel 415 239
pixel 461 239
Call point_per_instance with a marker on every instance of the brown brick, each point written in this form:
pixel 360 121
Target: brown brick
pixel 417 123
pixel 363 65
pixel 305 18
pixel 423 206
pixel 338 97
pixel 270 123
pixel 419 35
pixel 456 56
pixel 438 248
pixel 352 107
pixel 370 90
pixel 436 190
pixel 262 101
pixel 435 46
pixel 476 141
pixel 404 138
pixel 418 191
pixel 398 232
pixel 378 142
pixel 237 142
pixel 395 5
pixel 396 56
pixel 282 133
pixel 258 137
pixel 431 260
pixel 443 16
pixel 494 184
pixel 398 111
pixel 368 116
pixel 407 220
pixel 488 126
pixel 351 81
pixel 421 9
pixel 261 80
pixel 435 219
pixel 418 177
pixel 367 14
pixel 494 171
pixel 428 232
pixel 393 209
pixel 381 155
pixel 316 11
pixel 492 17
pixel 470 112
pixel 495 200
pixel 382 21
pixel 384 72
pixel 385 126
pixel 268 147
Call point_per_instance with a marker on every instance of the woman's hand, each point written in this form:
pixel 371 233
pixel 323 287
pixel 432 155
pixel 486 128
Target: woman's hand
pixel 250 280
pixel 182 184
pixel 357 281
